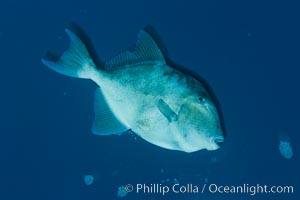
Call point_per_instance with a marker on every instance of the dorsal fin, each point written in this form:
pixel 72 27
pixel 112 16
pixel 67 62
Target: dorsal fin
pixel 146 51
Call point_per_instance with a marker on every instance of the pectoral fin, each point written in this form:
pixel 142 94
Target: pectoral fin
pixel 165 109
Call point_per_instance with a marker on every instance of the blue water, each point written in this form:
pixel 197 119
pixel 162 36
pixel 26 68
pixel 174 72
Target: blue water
pixel 248 52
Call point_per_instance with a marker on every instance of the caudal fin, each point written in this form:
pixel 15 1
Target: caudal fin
pixel 75 61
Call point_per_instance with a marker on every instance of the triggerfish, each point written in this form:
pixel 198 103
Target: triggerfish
pixel 139 91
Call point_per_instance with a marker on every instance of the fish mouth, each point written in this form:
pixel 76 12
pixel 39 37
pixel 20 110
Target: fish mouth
pixel 216 141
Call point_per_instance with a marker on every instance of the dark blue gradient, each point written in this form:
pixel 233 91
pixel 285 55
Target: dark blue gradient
pixel 247 51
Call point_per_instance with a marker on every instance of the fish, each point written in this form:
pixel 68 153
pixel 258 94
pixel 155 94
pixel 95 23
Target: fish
pixel 139 91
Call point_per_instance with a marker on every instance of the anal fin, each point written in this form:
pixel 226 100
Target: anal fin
pixel 105 122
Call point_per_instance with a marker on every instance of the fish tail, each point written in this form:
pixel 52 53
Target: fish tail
pixel 75 61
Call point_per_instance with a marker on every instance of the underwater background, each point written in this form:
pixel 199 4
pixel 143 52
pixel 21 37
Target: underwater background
pixel 247 51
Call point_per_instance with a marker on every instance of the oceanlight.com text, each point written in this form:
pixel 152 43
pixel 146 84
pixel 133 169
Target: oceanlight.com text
pixel 250 189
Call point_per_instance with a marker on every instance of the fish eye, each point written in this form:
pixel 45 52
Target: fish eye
pixel 201 99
